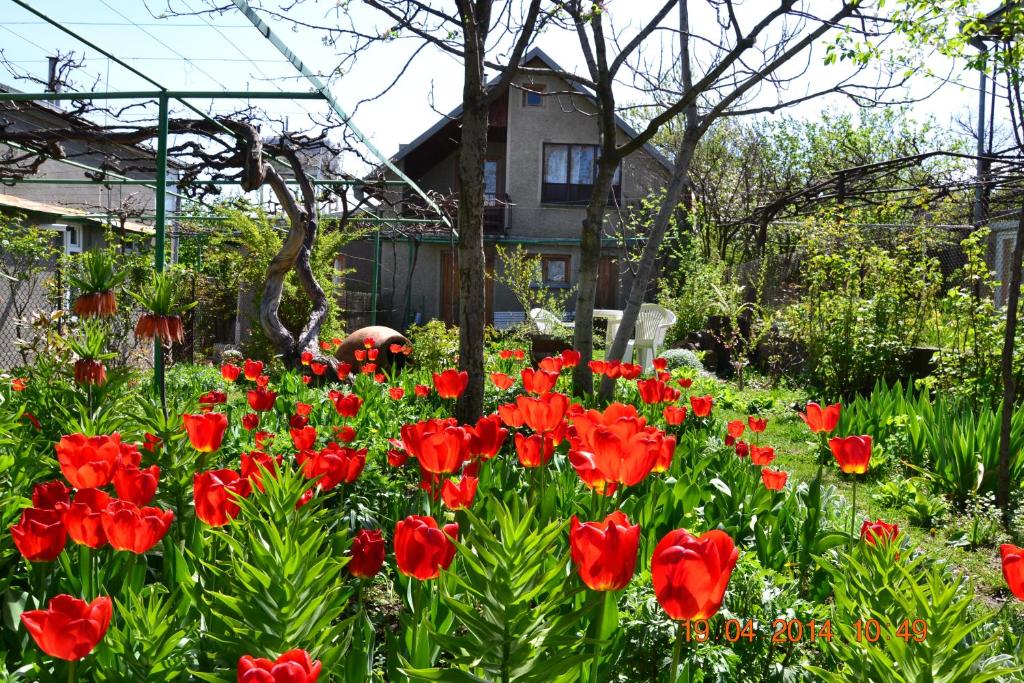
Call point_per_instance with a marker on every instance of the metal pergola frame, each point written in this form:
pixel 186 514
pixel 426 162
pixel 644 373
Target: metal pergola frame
pixel 163 96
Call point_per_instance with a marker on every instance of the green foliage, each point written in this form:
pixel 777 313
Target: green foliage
pixel 682 358
pixel 689 290
pixel 521 274
pixel 162 295
pixel 435 345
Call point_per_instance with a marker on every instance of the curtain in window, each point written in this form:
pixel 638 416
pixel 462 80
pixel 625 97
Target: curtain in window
pixel 491 178
pixel 583 157
pixel 556 163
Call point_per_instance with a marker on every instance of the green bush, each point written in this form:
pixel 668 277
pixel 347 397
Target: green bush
pixel 435 345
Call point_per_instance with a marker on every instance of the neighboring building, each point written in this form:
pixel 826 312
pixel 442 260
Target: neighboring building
pixel 541 159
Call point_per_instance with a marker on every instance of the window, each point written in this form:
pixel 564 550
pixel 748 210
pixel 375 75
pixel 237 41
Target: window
pixel 569 172
pixel 490 178
pixel 532 95
pixel 554 270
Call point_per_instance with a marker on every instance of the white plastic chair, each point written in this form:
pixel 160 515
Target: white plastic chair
pixel 545 321
pixel 652 323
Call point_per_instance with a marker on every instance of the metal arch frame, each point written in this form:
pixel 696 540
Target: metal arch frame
pixel 163 97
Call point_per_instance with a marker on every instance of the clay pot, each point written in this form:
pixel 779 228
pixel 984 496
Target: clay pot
pixel 383 338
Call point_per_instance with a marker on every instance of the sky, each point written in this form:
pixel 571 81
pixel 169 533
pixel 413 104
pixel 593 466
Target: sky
pixel 225 52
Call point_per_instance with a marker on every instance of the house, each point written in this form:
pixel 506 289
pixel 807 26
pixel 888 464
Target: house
pixel 79 213
pixel 541 157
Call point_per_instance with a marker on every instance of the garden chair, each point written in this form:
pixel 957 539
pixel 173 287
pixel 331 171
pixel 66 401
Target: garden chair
pixel 652 323
pixel 545 321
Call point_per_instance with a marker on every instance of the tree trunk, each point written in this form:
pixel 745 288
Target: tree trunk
pixel 1009 382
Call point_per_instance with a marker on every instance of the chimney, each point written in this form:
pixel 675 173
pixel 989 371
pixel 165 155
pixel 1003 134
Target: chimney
pixel 52 84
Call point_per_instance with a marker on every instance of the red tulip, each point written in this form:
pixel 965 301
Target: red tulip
pixel 674 415
pixel 206 430
pixel 451 383
pixel 505 354
pixel 605 552
pixel 538 381
pixel 757 424
pixel 590 474
pixel 254 464
pixel 551 364
pixel 518 354
pixel 152 442
pixel 318 369
pixel 873 532
pixel 630 371
pixel 690 574
pixel 345 434
pixel 487 437
pixel 135 484
pixel 303 409
pixel 49 494
pixel 511 415
pixel 343 370
pixel 303 438
pixel 422 549
pixel 216 494
pixel 69 628
pixel 83 518
pixel 685 382
pixel 397 393
pixel 397 457
pixel 459 496
pixel 656 391
pixel 820 419
pixel 253 369
pixel 544 413
pixel 440 446
pixel 742 449
pixel 762 455
pixel 660 364
pixel 19 383
pixel 570 358
pixel 347 405
pixel 129 527
pixel 501 380
pixel 32 419
pixel 367 553
pixel 212 398
pixel 305 357
pixel 40 535
pixel 262 439
pixel 853 453
pixel 1013 568
pixel 421 390
pixel 294 666
pixel 334 465
pixel 774 480
pixel 359 355
pixel 735 428
pixel 701 405
pixel 88 461
pixel 618 444
pixel 250 421
pixel 230 372
pixel 261 399
pixel 262 381
pixel 534 450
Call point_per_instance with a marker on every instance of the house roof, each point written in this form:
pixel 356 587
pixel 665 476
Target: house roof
pixel 32 206
pixel 535 53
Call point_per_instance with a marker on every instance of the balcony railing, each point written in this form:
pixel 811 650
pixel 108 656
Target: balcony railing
pixel 496 213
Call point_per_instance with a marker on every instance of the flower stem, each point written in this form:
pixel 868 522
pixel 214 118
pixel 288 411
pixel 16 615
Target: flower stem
pixel 677 652
pixel 72 675
pixel 853 514
pixel 595 664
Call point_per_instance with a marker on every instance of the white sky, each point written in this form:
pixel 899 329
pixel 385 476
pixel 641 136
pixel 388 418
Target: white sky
pixel 230 54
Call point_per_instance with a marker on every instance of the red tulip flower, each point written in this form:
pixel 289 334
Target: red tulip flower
pixel 422 549
pixel 505 354
pixel 421 390
pixel 486 437
pixel 674 415
pixel 129 527
pixel 511 415
pixel 48 495
pixel 254 464
pixel 216 494
pixel 346 405
pixel 690 574
pixel 735 428
pixel 262 381
pixel 318 369
pixel 253 369
pixel 303 438
pixel 40 535
pixel 853 453
pixel 551 364
pixel 19 383
pixel 294 666
pixel 343 370
pixel 1013 568
pixel 212 398
pixel 774 480
pixel 685 382
pixel 701 405
pixel 83 518
pixel 502 381
pixel 206 430
pixel 570 358
pixel 250 421
pixel 451 383
pixel 440 446
pixel 261 399
pixel 518 354
pixel 458 496
pixel 346 434
pixel 873 532
pixel 396 393
pixel 367 553
pixel 605 552
pixel 757 424
pixel 334 465
pixel 660 364
pixel 762 455
pixel 69 628
pixel 305 357
pixel 230 372
pixel 544 413
pixel 820 419
pixel 534 450
pixel 88 461
pixel 656 391
pixel 152 442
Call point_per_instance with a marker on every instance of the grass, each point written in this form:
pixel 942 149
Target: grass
pixel 796 449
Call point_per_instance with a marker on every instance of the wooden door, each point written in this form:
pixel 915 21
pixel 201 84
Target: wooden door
pixel 607 283
pixel 449 312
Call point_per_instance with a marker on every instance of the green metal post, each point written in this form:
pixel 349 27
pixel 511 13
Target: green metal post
pixel 161 226
pixel 376 278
